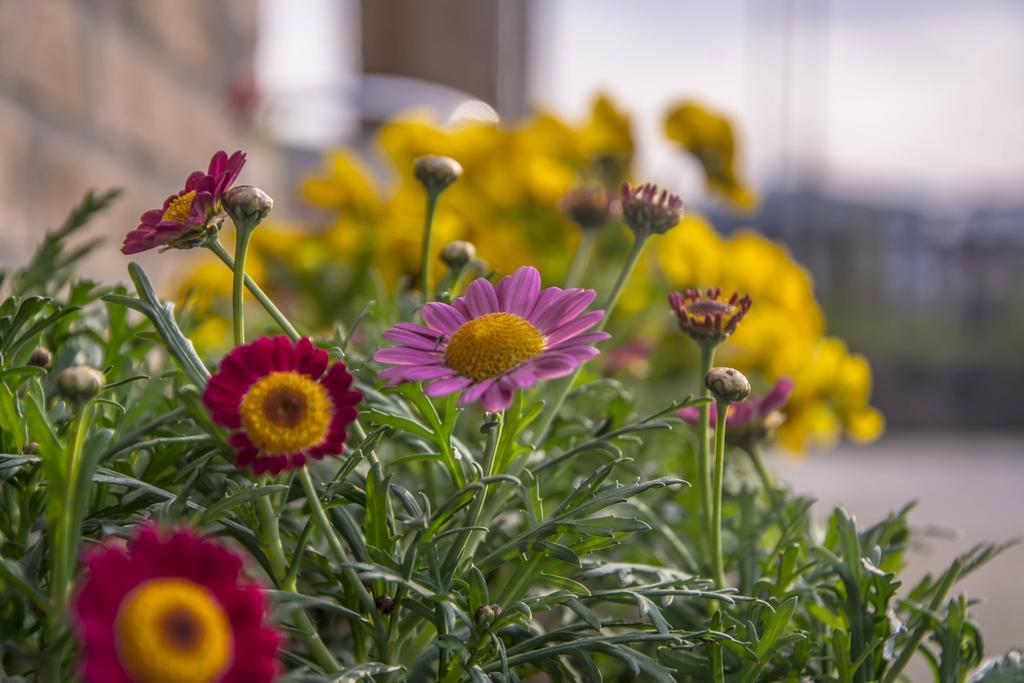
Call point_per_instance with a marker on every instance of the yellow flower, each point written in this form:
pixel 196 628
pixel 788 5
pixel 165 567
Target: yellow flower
pixel 784 333
pixel 710 138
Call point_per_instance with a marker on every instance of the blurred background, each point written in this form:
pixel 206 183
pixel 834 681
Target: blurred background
pixel 886 140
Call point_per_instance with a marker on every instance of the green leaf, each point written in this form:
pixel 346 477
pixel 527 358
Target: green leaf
pixel 222 507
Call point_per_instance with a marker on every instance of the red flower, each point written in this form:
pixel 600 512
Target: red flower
pixel 172 607
pixel 187 217
pixel 706 316
pixel 282 404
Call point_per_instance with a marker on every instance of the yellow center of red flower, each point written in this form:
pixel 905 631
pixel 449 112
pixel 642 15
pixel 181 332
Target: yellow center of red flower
pixel 488 346
pixel 173 630
pixel 180 208
pixel 286 412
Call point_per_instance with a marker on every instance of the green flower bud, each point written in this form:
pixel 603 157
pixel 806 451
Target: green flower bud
pixel 385 604
pixel 588 206
pixel 247 205
pixel 436 172
pixel 727 385
pixel 487 614
pixel 42 357
pixel 456 255
pixel 80 382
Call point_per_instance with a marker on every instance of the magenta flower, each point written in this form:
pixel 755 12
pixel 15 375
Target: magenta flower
pixel 187 217
pixel 283 402
pixel 754 414
pixel 495 340
pixel 172 606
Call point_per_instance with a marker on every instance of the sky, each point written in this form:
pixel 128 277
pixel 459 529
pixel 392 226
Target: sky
pixel 916 100
pixel 919 98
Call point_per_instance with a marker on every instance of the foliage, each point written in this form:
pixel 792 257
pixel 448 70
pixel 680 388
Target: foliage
pixel 507 204
pixel 458 545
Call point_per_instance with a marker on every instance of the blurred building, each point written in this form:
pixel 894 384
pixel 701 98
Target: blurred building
pixel 113 93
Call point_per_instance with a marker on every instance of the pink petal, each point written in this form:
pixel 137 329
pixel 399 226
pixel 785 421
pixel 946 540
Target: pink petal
pixel 498 397
pixel 418 338
pixel 475 392
pixel 415 373
pixel 565 308
pixel 582 340
pixel 400 355
pixel 518 292
pixel 574 328
pixel 481 298
pixel 443 387
pixel 442 317
pixel 551 364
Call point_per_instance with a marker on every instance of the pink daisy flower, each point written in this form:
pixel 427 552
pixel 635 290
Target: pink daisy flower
pixel 495 340
pixel 184 219
pixel 283 402
pixel 172 607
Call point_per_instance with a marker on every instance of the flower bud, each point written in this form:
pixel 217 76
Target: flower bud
pixel 42 357
pixel 80 382
pixel 247 205
pixel 436 172
pixel 385 604
pixel 728 385
pixel 486 615
pixel 589 207
pixel 648 210
pixel 456 255
pixel 31 448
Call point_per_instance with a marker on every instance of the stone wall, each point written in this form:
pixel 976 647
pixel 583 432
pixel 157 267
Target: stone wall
pixel 101 93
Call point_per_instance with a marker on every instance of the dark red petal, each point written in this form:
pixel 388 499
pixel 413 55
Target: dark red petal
pixel 337 379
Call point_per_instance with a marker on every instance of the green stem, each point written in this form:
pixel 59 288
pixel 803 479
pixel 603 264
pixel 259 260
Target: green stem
pixel 428 230
pixel 580 259
pixel 613 299
pixel 455 555
pixel 917 635
pixel 65 540
pixel 707 360
pixel 355 585
pixel 270 536
pixel 722 410
pixel 242 236
pixel 627 270
pixel 218 249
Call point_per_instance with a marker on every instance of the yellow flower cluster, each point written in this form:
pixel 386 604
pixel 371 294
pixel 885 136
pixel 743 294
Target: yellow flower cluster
pixel 710 138
pixel 784 333
pixel 506 203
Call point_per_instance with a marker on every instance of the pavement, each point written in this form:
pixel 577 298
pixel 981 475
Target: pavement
pixel 971 484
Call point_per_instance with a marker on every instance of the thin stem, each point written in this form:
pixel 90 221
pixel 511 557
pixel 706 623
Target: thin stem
pixel 458 549
pixel 613 298
pixel 580 259
pixel 707 360
pixel 218 249
pixel 242 236
pixel 428 230
pixel 341 557
pixel 65 539
pixel 722 410
pixel 270 535
pixel 627 270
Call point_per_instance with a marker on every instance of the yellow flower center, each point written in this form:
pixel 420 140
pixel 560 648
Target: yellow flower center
pixel 491 345
pixel 286 412
pixel 173 631
pixel 180 208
